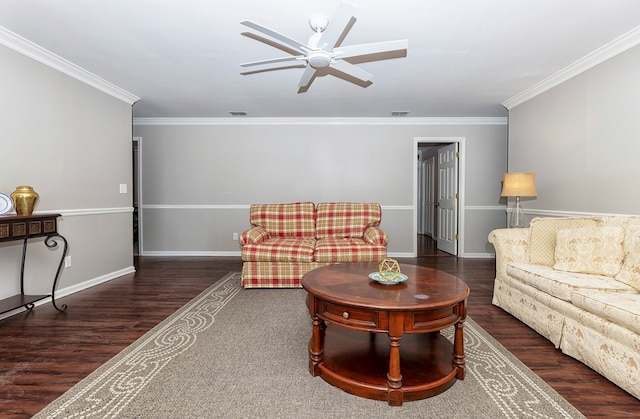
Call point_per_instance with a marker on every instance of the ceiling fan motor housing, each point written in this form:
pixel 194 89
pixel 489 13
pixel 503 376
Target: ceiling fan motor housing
pixel 319 59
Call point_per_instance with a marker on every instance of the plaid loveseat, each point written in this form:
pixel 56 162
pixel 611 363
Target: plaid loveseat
pixel 288 240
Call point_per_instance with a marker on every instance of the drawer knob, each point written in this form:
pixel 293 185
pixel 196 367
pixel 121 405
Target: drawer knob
pixel 345 315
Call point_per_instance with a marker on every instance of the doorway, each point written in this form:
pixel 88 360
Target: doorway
pixel 439 197
pixel 137 233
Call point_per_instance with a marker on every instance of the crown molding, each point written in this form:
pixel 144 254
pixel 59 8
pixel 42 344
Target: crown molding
pixel 613 48
pixel 48 58
pixel 324 121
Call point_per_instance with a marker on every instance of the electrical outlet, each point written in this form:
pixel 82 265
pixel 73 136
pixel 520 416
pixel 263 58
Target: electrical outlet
pixel 67 261
pixel 235 236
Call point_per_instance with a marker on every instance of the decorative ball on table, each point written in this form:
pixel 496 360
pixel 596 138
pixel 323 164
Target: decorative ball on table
pixel 389 269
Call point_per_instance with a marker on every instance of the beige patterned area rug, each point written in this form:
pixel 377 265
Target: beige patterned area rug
pixel 235 353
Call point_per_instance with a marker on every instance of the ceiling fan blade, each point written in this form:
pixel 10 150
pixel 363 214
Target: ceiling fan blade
pixel 273 61
pixel 299 46
pixel 307 78
pixel 271 43
pixel 351 70
pixel 390 47
pixel 274 68
pixel 339 26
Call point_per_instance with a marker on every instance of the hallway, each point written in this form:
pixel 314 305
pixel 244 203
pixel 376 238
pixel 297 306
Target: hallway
pixel 429 247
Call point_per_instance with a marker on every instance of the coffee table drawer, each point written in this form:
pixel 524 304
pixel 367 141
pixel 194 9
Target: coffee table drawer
pixel 350 316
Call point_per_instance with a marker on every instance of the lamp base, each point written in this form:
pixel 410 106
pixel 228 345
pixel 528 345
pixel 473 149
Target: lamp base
pixel 517 215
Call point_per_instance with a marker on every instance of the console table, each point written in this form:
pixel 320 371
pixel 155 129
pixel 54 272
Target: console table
pixel 25 227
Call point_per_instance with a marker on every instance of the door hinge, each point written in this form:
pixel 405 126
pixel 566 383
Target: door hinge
pixel 456 237
pixel 457 196
pixel 457 154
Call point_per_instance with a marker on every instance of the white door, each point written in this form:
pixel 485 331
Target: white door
pixel 428 170
pixel 421 197
pixel 447 231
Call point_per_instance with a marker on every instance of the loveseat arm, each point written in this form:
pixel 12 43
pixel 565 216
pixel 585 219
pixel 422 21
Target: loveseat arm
pixel 511 245
pixel 253 235
pixel 375 235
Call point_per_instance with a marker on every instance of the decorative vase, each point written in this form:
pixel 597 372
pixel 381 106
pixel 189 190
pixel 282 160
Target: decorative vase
pixel 24 200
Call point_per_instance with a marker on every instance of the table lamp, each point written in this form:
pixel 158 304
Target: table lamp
pixel 517 185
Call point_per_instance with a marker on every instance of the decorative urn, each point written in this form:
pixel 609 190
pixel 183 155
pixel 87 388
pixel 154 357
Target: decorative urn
pixel 24 200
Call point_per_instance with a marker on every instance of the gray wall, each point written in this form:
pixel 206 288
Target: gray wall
pixel 72 143
pixel 199 178
pixel 582 139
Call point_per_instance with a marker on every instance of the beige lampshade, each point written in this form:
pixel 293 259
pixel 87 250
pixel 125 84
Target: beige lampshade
pixel 519 184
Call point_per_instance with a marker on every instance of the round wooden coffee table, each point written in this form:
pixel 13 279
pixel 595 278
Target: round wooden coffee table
pixel 343 303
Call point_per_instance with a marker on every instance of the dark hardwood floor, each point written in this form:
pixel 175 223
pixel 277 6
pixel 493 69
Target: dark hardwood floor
pixel 43 352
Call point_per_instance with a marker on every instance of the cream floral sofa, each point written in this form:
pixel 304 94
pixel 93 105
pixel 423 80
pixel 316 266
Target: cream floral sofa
pixel 576 281
pixel 286 241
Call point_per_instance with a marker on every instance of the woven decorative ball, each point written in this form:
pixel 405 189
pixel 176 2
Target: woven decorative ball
pixel 389 269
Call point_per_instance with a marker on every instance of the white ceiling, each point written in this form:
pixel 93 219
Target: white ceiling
pixel 181 57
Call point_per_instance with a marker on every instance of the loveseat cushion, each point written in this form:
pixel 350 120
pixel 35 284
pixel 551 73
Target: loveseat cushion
pixel 561 284
pixel 346 219
pixel 591 250
pixel 275 274
pixel 622 309
pixel 280 250
pixel 336 249
pixel 296 219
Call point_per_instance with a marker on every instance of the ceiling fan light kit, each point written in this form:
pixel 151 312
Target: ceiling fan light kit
pixel 324 51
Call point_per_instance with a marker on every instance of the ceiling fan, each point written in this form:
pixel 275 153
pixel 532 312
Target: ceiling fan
pixel 324 54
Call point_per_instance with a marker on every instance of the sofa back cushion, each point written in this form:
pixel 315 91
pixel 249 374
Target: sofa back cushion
pixel 630 271
pixel 346 219
pixel 590 250
pixel 542 236
pixel 296 219
pixel 631 226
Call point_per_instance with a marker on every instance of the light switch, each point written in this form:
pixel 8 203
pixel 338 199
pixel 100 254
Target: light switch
pixel 123 188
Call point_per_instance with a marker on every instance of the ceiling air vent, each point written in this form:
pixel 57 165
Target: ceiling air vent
pixel 237 113
pixel 399 113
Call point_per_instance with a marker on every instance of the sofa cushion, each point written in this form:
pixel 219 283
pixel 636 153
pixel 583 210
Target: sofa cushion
pixel 561 284
pixel 591 250
pixel 630 271
pixel 542 236
pixel 296 219
pixel 622 309
pixel 631 227
pixel 346 219
pixel 336 249
pixel 280 250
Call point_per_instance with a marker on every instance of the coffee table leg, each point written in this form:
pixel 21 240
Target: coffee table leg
pixel 458 343
pixel 394 376
pixel 316 345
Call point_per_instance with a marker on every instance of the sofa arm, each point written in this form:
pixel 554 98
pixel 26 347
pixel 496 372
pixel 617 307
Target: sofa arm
pixel 375 235
pixel 254 235
pixel 511 245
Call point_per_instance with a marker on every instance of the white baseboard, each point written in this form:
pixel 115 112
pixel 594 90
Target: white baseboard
pixel 190 253
pixel 63 292
pixel 480 255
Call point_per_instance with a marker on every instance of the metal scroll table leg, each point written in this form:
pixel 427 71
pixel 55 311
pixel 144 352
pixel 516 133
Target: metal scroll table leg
pixel 51 242
pixel 24 256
